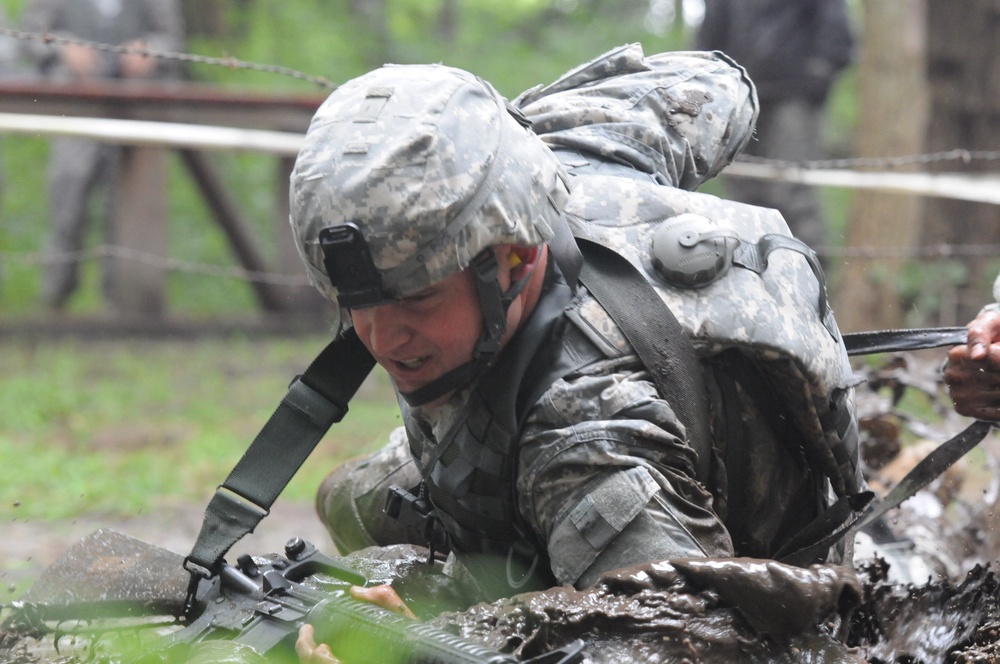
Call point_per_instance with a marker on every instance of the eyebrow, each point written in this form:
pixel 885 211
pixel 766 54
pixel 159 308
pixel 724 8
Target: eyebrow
pixel 430 290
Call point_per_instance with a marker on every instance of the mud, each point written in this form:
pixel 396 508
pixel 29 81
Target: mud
pixel 934 622
pixel 687 610
pixel 924 588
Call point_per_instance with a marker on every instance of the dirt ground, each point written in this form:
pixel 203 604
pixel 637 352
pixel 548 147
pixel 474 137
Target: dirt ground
pixel 27 547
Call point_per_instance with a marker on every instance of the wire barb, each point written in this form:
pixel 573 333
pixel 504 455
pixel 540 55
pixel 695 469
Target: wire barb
pixel 228 61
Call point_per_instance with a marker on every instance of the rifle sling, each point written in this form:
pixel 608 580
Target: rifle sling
pixel 314 402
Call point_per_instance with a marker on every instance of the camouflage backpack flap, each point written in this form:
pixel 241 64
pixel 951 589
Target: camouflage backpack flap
pixel 680 117
pixel 776 315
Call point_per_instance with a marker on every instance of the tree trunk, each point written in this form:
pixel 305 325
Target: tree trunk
pixel 372 16
pixel 214 18
pixel 884 227
pixel 962 61
pixel 447 22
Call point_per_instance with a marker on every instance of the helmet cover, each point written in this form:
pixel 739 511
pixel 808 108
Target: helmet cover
pixel 429 164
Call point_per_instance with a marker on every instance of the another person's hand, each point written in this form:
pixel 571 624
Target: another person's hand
pixel 137 65
pixel 310 652
pixel 973 370
pixel 82 61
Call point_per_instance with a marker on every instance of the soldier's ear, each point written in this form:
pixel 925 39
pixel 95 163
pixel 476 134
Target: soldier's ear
pixel 522 260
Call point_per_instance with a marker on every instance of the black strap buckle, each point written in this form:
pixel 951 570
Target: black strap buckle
pixel 197 572
pixel 415 511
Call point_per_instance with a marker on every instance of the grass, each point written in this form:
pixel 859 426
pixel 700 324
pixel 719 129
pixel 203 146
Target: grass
pixel 119 428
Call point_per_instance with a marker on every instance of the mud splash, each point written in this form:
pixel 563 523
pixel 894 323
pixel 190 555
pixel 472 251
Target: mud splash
pixel 737 610
pixel 935 622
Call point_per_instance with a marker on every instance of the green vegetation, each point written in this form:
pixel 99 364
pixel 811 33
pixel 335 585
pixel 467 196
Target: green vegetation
pixel 119 428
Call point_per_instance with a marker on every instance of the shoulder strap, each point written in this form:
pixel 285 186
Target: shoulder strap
pixel 314 402
pixel 656 335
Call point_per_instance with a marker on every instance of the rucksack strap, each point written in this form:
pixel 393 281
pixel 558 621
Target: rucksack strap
pixel 935 463
pixel 887 341
pixel 314 402
pixel 656 336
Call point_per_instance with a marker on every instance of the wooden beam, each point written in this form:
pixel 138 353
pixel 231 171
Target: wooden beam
pixel 227 214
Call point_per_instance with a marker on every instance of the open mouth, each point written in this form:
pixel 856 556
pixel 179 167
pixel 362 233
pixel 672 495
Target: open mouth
pixel 411 365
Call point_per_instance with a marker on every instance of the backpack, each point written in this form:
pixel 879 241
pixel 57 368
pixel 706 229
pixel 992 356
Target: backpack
pixel 747 295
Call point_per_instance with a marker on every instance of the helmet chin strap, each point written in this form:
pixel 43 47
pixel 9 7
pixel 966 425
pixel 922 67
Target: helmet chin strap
pixel 494 304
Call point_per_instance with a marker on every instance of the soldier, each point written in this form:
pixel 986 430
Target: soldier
pixel 444 227
pixel 78 166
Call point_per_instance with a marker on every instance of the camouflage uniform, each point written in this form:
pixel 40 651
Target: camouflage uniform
pixel 600 472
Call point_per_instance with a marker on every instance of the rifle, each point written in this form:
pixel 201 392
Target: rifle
pixel 111 583
pixel 263 604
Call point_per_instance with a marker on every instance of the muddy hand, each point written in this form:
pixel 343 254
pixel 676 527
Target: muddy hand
pixel 385 596
pixel 973 370
pixel 309 651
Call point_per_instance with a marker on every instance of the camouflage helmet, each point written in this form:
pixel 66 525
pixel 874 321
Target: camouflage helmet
pixel 422 167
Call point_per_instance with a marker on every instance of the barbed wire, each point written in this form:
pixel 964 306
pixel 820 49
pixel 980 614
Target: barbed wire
pixel 957 155
pixel 228 61
pixel 105 251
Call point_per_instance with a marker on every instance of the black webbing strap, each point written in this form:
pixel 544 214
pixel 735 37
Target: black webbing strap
pixel 657 337
pixel 886 341
pixel 812 544
pixel 315 401
pixel 844 517
pixel 929 467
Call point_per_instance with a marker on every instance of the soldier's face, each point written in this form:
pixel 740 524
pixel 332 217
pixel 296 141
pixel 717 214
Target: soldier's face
pixel 420 338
